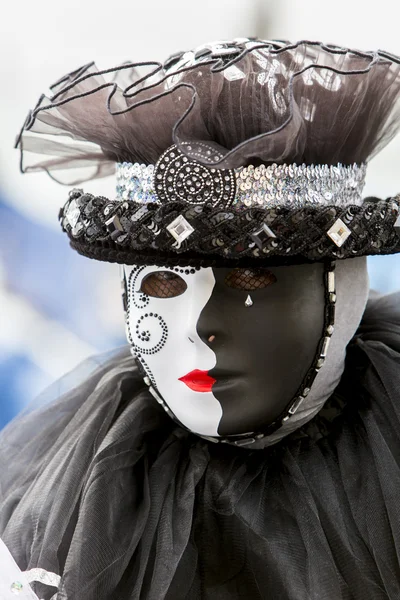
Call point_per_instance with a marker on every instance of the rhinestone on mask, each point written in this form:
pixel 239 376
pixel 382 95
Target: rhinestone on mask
pixel 248 302
pixel 296 405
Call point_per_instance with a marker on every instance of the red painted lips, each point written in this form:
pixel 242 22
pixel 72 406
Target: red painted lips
pixel 198 381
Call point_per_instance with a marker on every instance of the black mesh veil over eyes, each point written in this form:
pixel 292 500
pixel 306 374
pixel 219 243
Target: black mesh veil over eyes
pixel 163 284
pixel 249 279
pixel 166 284
pixel 249 102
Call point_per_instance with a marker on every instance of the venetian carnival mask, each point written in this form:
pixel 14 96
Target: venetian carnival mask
pixel 226 348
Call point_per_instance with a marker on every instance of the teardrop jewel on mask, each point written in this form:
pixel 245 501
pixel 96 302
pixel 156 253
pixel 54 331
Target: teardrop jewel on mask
pixel 249 301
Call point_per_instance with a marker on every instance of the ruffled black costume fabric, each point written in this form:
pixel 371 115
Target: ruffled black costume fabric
pixel 104 489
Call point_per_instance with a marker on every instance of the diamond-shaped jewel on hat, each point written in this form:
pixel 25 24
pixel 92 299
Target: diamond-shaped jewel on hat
pixel 77 230
pixel 339 232
pixel 114 224
pixel 180 229
pixel 262 236
pixel 72 213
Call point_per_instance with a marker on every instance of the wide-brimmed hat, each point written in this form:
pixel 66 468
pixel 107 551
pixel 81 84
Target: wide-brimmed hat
pixel 237 153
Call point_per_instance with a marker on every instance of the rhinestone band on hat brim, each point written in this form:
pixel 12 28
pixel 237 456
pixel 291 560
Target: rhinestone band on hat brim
pixel 175 177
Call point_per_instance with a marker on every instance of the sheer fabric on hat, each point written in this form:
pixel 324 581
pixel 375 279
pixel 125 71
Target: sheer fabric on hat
pixel 300 103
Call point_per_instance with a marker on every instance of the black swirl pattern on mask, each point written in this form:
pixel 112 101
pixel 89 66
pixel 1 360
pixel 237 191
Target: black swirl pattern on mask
pixel 144 335
pixel 140 337
pixel 139 299
pixel 141 363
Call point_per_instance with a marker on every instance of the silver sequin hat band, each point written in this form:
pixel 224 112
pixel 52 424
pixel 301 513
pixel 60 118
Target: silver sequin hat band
pixel 175 177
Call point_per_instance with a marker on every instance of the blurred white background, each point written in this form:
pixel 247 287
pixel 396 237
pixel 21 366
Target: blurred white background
pixel 56 307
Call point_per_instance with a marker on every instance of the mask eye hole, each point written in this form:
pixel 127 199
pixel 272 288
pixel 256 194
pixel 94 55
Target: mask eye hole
pixel 163 284
pixel 249 280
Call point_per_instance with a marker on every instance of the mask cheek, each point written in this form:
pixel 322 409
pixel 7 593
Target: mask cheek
pixel 148 331
pixel 165 337
pixel 200 412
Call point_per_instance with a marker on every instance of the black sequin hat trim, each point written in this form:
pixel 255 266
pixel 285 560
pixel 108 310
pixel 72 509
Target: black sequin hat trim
pixel 178 233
